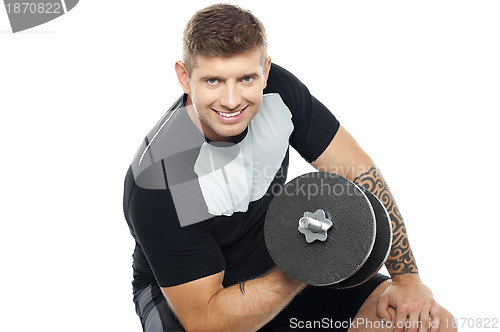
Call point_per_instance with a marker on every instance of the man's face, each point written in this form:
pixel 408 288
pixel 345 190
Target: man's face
pixel 226 93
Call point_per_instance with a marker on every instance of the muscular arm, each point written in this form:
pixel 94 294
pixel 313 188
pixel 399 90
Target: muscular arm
pixel 411 299
pixel 204 305
pixel 345 157
pixel 400 260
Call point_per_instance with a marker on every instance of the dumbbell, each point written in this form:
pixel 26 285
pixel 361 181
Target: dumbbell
pixel 323 230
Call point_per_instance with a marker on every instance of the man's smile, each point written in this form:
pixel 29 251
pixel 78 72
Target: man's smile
pixel 230 117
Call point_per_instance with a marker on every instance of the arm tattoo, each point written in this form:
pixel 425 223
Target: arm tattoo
pixel 400 258
pixel 242 287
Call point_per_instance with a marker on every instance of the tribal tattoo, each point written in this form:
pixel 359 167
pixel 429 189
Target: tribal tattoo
pixel 400 258
pixel 242 287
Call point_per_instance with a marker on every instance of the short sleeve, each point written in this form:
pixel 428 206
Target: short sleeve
pixel 314 125
pixel 175 254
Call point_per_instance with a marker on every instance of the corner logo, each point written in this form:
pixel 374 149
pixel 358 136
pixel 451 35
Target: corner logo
pixel 26 14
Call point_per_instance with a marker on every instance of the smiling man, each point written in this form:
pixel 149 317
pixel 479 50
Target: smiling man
pixel 198 189
pixel 226 93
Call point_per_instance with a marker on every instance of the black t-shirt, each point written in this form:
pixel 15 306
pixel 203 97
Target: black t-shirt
pixel 196 207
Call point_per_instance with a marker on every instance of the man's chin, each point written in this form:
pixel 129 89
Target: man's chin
pixel 231 134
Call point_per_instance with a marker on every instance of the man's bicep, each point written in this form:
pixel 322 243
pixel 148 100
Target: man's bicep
pixel 189 301
pixel 343 156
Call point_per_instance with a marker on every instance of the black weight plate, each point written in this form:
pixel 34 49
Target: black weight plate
pixel 381 248
pixel 349 241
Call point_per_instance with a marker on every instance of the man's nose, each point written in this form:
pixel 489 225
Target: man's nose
pixel 230 98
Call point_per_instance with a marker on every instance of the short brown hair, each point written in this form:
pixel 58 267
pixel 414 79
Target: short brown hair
pixel 222 30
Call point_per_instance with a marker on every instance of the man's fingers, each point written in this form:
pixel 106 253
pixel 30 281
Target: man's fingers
pixel 413 323
pixel 435 315
pixel 401 315
pixel 425 319
pixel 383 309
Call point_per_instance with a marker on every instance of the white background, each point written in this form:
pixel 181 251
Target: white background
pixel 416 83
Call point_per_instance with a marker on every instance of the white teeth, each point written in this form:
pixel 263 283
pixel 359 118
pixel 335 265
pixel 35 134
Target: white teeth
pixel 229 115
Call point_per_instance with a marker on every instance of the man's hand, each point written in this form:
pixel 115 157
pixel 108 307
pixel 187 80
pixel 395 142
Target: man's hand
pixel 413 302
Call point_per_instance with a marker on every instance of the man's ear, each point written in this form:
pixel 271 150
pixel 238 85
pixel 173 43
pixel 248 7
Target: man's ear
pixel 182 76
pixel 267 68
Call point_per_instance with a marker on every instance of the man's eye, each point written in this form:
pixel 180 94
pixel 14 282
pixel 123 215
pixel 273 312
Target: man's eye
pixel 247 79
pixel 212 81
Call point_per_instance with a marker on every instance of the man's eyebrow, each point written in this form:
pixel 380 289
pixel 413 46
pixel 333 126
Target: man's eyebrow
pixel 249 75
pixel 216 77
pixel 209 77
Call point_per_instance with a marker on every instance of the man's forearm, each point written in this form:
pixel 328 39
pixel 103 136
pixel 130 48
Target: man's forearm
pixel 400 260
pixel 250 305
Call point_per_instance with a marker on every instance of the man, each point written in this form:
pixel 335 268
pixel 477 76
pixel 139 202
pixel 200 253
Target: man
pixel 198 189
